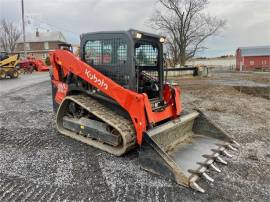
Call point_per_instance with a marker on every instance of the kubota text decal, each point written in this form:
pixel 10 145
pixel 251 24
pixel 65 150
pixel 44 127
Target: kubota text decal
pixel 94 78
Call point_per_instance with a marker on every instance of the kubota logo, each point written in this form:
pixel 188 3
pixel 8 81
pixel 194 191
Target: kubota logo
pixel 94 78
pixel 62 88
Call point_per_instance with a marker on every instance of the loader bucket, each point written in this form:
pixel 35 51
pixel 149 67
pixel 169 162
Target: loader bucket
pixel 186 149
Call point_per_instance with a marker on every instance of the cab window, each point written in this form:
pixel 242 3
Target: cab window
pixel 105 52
pixel 93 52
pixel 146 54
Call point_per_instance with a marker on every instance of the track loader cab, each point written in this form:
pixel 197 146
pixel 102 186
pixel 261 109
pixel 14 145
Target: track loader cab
pixel 131 58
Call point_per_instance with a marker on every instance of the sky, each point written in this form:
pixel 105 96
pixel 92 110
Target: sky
pixel 248 21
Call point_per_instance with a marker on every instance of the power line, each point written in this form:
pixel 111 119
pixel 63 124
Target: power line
pixel 54 26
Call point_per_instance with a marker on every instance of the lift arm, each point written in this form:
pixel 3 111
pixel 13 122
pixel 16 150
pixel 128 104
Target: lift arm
pixel 137 105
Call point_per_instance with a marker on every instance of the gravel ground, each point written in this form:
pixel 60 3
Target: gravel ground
pixel 22 81
pixel 38 164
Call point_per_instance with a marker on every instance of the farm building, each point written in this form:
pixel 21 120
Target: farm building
pixel 252 58
pixel 39 44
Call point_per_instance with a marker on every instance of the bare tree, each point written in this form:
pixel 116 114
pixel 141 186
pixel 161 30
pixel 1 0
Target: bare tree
pixel 186 27
pixel 9 34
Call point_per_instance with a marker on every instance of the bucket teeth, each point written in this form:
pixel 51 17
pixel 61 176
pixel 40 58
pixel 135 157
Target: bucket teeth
pixel 217 157
pixel 223 151
pixel 210 165
pixel 221 160
pixel 207 177
pixel 214 156
pixel 215 167
pixel 231 147
pixel 201 172
pixel 236 143
pixel 195 186
pixel 227 154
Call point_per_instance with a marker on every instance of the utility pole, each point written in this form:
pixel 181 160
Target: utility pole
pixel 24 49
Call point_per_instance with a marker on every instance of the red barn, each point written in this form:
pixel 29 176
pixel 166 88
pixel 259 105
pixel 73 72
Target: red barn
pixel 251 58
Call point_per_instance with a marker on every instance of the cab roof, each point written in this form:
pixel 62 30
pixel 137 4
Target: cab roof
pixel 128 32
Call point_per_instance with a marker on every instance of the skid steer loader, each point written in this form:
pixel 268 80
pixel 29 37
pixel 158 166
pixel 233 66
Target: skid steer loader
pixel 114 97
pixel 8 65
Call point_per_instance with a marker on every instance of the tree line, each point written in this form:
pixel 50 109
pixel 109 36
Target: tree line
pixel 9 34
pixel 186 26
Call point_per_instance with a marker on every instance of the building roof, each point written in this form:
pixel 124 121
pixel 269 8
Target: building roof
pixel 43 37
pixel 255 51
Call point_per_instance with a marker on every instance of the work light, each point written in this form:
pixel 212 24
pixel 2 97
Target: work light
pixel 162 39
pixel 138 35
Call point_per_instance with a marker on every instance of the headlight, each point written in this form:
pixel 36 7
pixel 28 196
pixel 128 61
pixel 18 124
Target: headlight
pixel 162 40
pixel 138 35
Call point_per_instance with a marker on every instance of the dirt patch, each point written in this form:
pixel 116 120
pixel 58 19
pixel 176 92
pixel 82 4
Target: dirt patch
pixel 216 109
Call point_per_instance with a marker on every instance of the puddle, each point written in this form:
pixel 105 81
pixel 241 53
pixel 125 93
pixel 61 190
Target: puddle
pixel 246 86
pixel 259 91
pixel 238 83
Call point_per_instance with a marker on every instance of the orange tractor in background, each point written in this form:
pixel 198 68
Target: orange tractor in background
pixel 39 65
pixel 33 64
